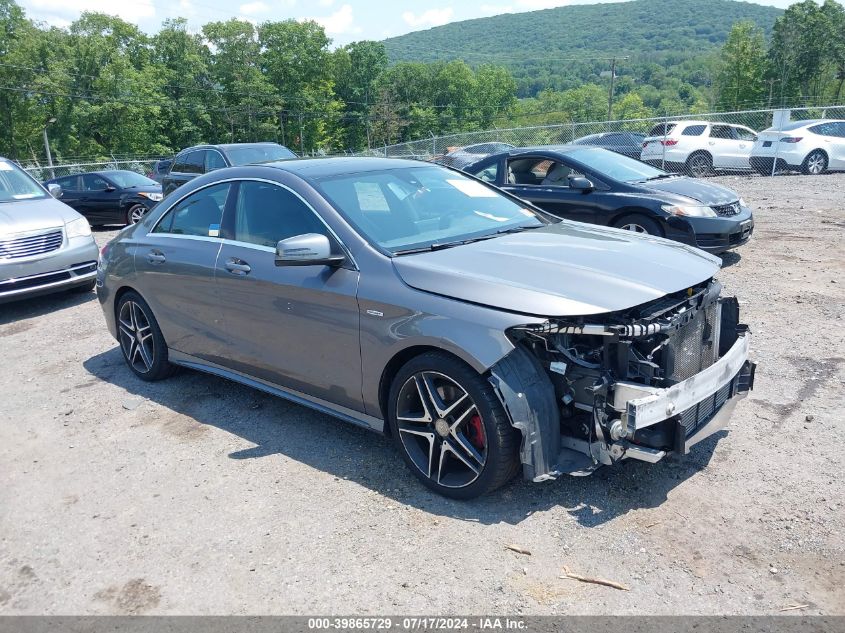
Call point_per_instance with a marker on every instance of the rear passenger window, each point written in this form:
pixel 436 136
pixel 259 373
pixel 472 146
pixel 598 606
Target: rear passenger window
pixel 694 130
pixel 489 174
pixel 69 183
pixel 662 129
pixel 213 160
pixel 721 131
pixel 195 163
pixel 265 214
pixel 199 214
pixel 178 166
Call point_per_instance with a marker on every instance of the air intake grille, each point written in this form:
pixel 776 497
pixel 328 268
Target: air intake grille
pixel 727 210
pixel 31 245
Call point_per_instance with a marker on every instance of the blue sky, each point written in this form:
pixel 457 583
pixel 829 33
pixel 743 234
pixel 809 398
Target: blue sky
pixel 344 20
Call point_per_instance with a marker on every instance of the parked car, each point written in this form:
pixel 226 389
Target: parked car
pixel 109 197
pixel 484 335
pixel 472 153
pixel 45 246
pixel 594 185
pixel 628 144
pixel 699 148
pixel 160 169
pixel 194 161
pixel 811 147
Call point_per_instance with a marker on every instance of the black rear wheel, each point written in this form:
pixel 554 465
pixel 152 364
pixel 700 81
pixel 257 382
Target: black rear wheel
pixel 451 429
pixel 815 163
pixel 699 165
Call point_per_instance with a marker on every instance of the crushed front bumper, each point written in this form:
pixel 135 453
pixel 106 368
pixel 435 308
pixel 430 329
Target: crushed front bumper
pixel 699 406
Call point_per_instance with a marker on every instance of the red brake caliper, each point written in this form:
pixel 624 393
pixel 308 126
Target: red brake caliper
pixel 476 432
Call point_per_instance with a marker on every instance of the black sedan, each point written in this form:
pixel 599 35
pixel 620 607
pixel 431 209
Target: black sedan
pixel 109 197
pixel 626 143
pixel 589 184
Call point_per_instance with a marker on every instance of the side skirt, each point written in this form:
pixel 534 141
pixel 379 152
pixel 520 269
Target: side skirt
pixel 348 415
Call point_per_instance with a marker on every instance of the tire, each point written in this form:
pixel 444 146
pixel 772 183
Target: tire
pixel 144 353
pixel 637 223
pixel 135 213
pixel 84 288
pixel 481 445
pixel 699 165
pixel 815 163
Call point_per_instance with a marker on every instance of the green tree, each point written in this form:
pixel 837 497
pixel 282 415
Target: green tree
pixel 740 79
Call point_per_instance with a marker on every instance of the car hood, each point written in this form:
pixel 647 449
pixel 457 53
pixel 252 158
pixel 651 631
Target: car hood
pixel 565 269
pixel 696 189
pixel 32 215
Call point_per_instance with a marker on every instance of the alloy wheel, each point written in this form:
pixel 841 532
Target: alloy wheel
pixel 441 429
pixel 815 163
pixel 136 337
pixel 699 166
pixel 634 228
pixel 137 213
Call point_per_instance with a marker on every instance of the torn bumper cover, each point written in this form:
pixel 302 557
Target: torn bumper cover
pixel 594 394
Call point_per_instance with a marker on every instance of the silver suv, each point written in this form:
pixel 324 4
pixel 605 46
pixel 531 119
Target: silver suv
pixel 45 246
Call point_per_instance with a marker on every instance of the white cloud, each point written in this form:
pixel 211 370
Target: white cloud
pixel 535 5
pixel 432 17
pixel 253 8
pixel 325 3
pixel 522 5
pixel 341 22
pixel 58 12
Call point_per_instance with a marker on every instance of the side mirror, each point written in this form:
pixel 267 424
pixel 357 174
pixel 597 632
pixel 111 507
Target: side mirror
pixel 308 249
pixel 580 183
pixel 55 190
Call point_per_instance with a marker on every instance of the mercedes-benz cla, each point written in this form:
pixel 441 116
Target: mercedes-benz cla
pixel 483 335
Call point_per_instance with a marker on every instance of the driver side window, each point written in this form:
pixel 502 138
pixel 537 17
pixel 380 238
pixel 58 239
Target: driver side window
pixel 542 172
pixel 91 182
pixel 266 213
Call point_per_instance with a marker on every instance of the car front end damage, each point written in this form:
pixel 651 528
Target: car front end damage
pixel 637 384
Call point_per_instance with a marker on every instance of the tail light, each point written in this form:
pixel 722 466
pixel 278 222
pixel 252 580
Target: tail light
pixel 791 139
pixel 669 142
pixel 104 250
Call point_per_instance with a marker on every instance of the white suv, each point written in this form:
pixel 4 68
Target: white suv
pixel 698 147
pixel 811 147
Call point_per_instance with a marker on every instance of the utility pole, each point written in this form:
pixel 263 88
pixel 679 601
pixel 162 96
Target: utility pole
pixel 48 122
pixel 610 92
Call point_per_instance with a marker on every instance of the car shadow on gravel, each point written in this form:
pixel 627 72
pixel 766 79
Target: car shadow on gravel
pixel 39 306
pixel 730 258
pixel 276 426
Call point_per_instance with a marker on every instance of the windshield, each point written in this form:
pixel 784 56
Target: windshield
pixel 418 207
pixel 125 179
pixel 616 166
pixel 248 154
pixel 16 184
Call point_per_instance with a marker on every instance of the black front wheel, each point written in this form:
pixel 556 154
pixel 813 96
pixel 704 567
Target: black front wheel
pixel 638 224
pixel 141 341
pixel 451 429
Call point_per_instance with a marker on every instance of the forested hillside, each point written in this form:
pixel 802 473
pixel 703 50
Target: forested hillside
pixel 102 87
pixel 562 48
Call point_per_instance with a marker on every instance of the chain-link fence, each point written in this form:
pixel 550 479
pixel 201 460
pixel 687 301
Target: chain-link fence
pixel 45 172
pixel 627 137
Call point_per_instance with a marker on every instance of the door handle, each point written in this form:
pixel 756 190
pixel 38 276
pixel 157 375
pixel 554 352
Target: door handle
pixel 156 257
pixel 237 266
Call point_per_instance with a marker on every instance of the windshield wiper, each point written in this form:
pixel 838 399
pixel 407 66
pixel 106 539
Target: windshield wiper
pixel 437 246
pixel 661 177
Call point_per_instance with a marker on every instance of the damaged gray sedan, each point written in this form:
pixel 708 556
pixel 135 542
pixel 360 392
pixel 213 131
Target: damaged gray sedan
pixel 483 335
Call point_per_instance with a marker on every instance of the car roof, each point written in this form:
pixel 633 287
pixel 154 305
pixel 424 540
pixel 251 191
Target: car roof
pixel 225 146
pixel 340 165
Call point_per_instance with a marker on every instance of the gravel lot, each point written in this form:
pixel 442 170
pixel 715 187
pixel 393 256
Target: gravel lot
pixel 196 495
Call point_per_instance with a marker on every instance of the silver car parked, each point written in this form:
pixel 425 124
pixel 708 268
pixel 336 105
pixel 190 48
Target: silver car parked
pixel 45 246
pixel 483 335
